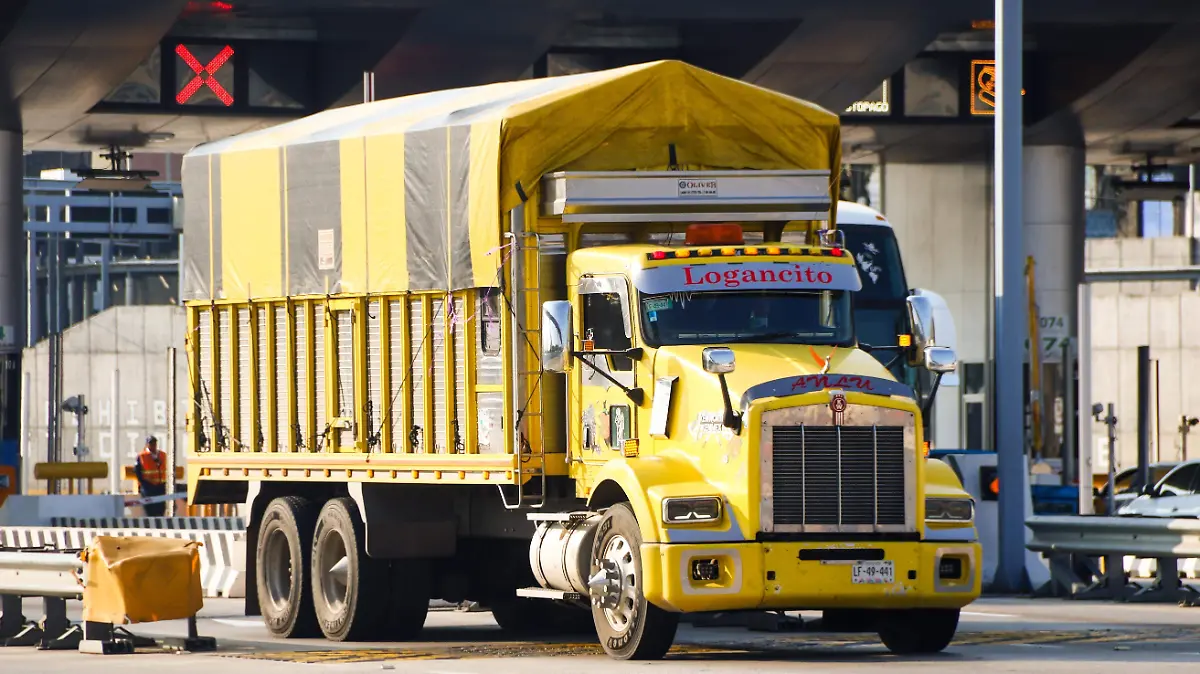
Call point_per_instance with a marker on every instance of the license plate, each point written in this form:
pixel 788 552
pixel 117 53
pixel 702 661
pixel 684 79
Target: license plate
pixel 873 573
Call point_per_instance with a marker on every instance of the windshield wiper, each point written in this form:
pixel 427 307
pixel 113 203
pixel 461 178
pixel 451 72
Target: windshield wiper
pixel 770 336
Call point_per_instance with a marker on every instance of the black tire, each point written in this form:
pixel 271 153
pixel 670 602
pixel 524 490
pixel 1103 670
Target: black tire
pixel 541 618
pixel 358 609
pixel 647 631
pixel 282 563
pixel 411 582
pixel 918 631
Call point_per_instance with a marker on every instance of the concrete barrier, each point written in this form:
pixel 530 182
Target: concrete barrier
pixel 1138 567
pixel 187 523
pixel 222 555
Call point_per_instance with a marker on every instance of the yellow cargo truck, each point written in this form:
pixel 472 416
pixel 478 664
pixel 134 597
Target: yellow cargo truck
pixel 541 345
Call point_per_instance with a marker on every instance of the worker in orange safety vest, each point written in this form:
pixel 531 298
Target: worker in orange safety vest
pixel 151 472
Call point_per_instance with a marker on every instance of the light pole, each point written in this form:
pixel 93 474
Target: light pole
pixel 1185 426
pixel 1010 302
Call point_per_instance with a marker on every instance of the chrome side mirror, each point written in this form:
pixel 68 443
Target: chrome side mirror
pixel 940 359
pixel 718 360
pixel 556 335
pixel 920 322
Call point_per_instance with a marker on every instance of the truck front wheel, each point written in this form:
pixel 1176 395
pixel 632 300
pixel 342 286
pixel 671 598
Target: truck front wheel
pixel 350 590
pixel 629 627
pixel 918 631
pixel 281 567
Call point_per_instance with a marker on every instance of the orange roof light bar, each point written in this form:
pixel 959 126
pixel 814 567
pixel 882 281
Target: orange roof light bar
pixel 722 234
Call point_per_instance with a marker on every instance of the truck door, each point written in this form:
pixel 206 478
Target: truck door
pixel 604 417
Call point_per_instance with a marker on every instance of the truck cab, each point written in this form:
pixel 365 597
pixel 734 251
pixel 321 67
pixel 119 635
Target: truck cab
pixel 738 445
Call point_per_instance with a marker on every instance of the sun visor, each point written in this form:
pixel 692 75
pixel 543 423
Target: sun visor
pixel 718 276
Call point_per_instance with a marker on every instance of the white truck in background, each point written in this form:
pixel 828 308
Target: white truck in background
pixel 880 313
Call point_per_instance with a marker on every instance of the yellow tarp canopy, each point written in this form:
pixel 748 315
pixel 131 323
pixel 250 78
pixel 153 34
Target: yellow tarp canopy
pixel 409 193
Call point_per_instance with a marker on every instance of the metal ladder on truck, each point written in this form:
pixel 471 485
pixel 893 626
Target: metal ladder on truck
pixel 531 456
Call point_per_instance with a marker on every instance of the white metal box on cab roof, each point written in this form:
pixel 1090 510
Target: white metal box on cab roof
pixel 691 196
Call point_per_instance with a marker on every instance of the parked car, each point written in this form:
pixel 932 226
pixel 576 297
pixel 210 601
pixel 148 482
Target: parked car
pixel 1127 487
pixel 1176 495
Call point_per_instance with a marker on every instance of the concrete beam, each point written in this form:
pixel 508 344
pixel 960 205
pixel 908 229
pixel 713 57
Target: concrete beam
pixel 462 43
pixel 66 55
pixel 834 58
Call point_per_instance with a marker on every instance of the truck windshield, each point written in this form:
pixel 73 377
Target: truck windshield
pixel 741 317
pixel 880 313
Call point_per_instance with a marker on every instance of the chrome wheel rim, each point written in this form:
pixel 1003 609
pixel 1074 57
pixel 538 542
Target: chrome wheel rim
pixel 621 598
pixel 335 572
pixel 277 569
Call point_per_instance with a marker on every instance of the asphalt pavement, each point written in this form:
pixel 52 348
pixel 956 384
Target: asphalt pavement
pixel 995 635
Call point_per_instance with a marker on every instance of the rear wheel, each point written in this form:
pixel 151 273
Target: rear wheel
pixel 282 567
pixel 350 590
pixel 629 627
pixel 918 631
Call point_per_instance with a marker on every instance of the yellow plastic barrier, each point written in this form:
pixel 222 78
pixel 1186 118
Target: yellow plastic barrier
pixel 141 579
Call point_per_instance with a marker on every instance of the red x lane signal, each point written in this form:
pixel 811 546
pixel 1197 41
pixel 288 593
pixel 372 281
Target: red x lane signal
pixel 205 75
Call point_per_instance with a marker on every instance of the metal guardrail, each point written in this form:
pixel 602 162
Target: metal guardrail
pixel 1073 544
pixel 39 574
pixel 55 577
pixel 1138 536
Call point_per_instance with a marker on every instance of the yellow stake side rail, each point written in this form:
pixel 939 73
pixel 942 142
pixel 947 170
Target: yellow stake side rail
pixel 363 386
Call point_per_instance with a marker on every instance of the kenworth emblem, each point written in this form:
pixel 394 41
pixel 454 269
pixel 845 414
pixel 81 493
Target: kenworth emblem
pixel 837 405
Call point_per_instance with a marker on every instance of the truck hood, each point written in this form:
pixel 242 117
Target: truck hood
pixel 758 364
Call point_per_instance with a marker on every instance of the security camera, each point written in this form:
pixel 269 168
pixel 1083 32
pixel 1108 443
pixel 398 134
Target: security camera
pixel 1097 410
pixel 75 405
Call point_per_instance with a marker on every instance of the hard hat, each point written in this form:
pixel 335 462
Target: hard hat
pixel 151 440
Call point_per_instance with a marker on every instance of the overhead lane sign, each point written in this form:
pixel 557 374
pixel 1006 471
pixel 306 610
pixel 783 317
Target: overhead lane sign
pixel 204 75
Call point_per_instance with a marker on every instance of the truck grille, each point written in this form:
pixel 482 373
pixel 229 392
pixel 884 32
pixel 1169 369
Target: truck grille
pixel 838 476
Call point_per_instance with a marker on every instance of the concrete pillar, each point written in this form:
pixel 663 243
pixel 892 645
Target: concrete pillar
pixel 1054 236
pixel 12 263
pixel 12 241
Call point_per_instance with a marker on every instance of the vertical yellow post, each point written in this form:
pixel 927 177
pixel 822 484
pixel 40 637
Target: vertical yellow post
pixel 450 385
pixel 331 363
pixel 359 342
pixel 192 346
pixel 507 356
pixel 215 366
pixel 406 394
pixel 426 346
pixel 1035 365
pixel 235 408
pixel 272 380
pixel 293 398
pixel 470 333
pixel 255 417
pixel 385 375
pixel 310 310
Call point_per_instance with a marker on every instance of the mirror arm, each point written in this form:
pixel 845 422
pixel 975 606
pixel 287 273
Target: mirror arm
pixel 928 404
pixel 635 395
pixel 635 353
pixel 732 419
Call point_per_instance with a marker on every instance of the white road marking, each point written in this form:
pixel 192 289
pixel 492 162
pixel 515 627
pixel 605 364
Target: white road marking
pixel 1038 645
pixel 990 615
pixel 234 622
